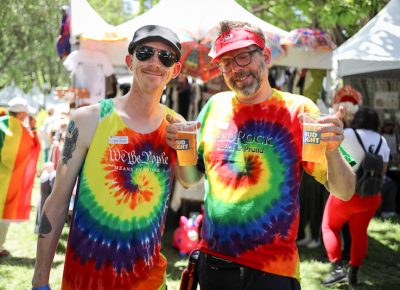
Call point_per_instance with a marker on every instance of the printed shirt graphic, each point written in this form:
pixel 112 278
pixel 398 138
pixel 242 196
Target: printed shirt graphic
pixel 120 207
pixel 252 159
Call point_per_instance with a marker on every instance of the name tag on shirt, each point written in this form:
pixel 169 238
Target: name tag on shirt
pixel 118 140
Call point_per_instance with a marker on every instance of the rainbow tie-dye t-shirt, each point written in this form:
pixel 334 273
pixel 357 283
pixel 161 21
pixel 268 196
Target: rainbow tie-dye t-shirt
pixel 120 208
pixel 252 160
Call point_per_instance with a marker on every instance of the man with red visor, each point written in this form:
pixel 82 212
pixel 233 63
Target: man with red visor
pixel 249 148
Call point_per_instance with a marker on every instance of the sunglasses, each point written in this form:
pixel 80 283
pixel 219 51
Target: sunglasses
pixel 167 58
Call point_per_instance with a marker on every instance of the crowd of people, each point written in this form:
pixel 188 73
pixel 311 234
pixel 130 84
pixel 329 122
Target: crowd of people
pixel 116 161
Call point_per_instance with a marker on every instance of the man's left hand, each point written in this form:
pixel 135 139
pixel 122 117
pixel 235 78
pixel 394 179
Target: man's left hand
pixel 333 133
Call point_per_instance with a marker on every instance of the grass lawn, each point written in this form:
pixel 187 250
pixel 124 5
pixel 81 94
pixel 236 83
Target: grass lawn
pixel 381 269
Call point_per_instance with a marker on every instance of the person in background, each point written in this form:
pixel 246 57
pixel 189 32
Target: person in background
pixel 111 86
pixel 45 132
pixel 46 178
pixel 184 91
pixel 249 148
pixel 388 132
pixel 19 152
pixel 126 172
pixel 313 196
pixel 391 186
pixel 359 210
pixel 351 99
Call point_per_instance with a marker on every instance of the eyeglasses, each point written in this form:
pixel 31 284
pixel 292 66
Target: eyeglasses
pixel 166 57
pixel 242 59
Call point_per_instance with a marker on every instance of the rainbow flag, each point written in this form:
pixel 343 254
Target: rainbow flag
pixel 19 152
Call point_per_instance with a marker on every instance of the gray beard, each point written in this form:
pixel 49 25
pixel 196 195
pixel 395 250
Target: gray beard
pixel 247 90
pixel 250 89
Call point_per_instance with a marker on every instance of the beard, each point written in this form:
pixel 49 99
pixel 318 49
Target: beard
pixel 251 88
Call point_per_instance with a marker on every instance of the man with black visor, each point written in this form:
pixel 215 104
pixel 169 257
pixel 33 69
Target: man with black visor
pixel 126 172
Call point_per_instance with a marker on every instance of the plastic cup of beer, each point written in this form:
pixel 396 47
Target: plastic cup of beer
pixel 313 149
pixel 186 143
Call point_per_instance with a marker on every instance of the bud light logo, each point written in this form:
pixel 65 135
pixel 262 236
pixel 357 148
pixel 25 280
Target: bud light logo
pixel 311 137
pixel 182 144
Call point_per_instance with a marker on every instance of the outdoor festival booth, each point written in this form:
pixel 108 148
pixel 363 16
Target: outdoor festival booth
pixel 94 42
pixel 307 63
pixel 306 48
pixel 370 61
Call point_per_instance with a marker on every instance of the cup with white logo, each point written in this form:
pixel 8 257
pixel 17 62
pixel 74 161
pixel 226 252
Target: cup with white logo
pixel 313 149
pixel 186 143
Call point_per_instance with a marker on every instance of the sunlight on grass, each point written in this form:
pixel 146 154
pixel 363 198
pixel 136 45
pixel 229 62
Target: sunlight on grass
pixel 387 231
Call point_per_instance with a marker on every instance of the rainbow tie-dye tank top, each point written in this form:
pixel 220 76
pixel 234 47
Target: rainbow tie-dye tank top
pixel 120 208
pixel 252 159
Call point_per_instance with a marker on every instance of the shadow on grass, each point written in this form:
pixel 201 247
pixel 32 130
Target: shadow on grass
pixel 62 246
pixel 380 270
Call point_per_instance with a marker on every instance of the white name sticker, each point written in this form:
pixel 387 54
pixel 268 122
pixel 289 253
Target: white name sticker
pixel 118 140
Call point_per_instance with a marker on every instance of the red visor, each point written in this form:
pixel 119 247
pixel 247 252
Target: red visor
pixel 235 39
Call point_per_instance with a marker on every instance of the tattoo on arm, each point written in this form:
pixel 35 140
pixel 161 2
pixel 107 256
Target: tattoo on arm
pixel 70 142
pixel 45 226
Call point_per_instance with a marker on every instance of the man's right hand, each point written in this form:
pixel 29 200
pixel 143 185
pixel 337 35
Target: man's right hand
pixel 171 131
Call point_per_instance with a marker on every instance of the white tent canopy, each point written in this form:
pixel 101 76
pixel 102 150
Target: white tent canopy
pixel 194 16
pixel 376 47
pixel 87 22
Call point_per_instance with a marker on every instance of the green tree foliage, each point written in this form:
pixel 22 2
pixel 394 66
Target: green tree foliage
pixel 340 18
pixel 112 11
pixel 146 3
pixel 28 34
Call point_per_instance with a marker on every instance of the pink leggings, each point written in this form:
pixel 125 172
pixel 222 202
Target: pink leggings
pixel 358 212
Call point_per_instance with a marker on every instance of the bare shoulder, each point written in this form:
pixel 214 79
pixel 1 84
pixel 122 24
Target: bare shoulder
pixel 86 113
pixel 84 122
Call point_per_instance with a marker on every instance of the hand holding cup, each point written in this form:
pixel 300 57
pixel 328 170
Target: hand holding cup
pixel 182 136
pixel 321 133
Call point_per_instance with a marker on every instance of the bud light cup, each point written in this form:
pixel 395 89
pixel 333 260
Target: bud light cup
pixel 186 143
pixel 313 149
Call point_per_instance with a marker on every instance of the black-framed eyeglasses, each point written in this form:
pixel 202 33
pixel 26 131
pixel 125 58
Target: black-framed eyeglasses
pixel 242 59
pixel 166 57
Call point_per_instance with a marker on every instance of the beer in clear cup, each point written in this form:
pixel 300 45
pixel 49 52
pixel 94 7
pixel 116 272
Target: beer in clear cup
pixel 186 142
pixel 313 148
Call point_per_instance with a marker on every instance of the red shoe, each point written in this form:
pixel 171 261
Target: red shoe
pixel 4 254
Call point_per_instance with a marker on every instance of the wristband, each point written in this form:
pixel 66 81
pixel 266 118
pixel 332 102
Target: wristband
pixel 45 287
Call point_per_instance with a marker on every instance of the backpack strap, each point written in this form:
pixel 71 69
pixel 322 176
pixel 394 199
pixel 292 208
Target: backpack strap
pixel 362 144
pixel 360 141
pixel 379 146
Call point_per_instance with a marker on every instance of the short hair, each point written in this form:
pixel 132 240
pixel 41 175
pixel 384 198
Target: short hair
pixel 227 25
pixel 366 118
